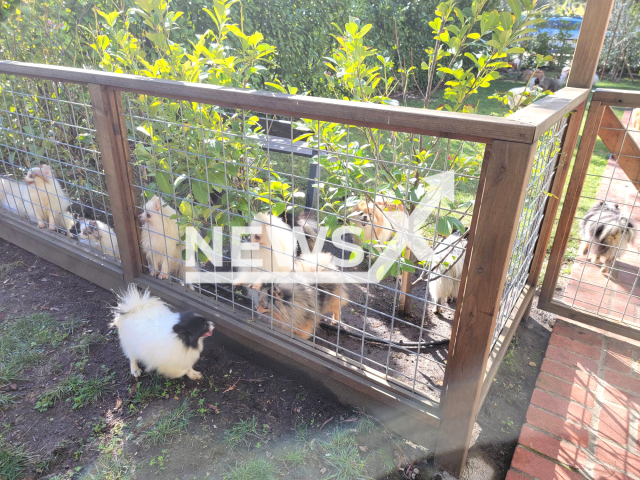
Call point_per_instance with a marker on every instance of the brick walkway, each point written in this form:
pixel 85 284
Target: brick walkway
pixel 583 419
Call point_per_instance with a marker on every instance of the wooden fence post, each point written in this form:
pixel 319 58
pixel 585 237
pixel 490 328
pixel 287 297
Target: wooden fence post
pixel 114 152
pixel 506 173
pixel 590 40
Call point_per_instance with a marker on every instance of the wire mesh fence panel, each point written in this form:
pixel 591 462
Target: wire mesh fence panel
pixel 533 208
pixel 51 173
pixel 300 225
pixel 600 272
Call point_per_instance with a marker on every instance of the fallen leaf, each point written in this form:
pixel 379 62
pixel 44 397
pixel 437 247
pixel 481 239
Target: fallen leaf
pixel 232 387
pixel 533 364
pixel 215 409
pixel 13 386
pixel 362 448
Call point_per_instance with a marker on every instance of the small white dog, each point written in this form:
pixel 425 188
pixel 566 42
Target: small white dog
pixel 96 235
pixel 41 198
pixel 451 252
pixel 160 239
pixel 165 341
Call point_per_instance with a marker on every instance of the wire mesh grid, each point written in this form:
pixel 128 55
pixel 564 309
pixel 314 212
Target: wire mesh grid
pixel 50 168
pixel 304 184
pixel 533 207
pixel 601 270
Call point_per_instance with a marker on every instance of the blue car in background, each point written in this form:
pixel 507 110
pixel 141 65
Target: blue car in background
pixel 562 27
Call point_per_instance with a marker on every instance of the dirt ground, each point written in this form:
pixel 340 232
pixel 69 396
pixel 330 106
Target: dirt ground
pixel 70 409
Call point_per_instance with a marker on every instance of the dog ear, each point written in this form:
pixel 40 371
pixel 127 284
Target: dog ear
pixel 46 170
pixel 156 203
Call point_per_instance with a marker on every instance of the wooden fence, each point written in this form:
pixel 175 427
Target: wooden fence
pixel 95 130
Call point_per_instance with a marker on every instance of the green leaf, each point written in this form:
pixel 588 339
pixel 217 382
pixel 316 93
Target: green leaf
pixel 164 182
pixel 364 30
pixel 515 8
pixel 200 191
pixel 446 225
pixel 278 208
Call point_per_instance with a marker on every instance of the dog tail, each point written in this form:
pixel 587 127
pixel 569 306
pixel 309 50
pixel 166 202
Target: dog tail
pixel 133 300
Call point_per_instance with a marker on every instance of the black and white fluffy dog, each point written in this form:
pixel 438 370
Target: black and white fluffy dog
pixel 605 230
pixel 160 339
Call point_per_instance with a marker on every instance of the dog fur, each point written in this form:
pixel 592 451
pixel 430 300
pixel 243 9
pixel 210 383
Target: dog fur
pixel 445 287
pixel 97 235
pixel 276 248
pixel 605 231
pixel 160 240
pixel 163 341
pixel 293 306
pixel 40 198
pixel 374 220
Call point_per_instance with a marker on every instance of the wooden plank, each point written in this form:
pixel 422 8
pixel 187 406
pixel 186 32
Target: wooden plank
pixel 549 110
pixel 114 152
pixel 572 197
pixel 507 173
pixel 233 325
pixel 520 311
pixel 590 40
pixel 622 144
pixel 61 251
pixel 461 126
pixel 562 169
pixel 617 98
pixel 624 329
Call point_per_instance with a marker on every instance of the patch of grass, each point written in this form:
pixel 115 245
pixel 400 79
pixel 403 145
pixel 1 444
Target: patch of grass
pixel 365 426
pixel 5 268
pixel 241 432
pixel 14 461
pixel 245 395
pixel 341 454
pixel 111 463
pixel 76 389
pixel 25 340
pixel 88 339
pixel 6 400
pixel 146 391
pixel 296 457
pixel 258 469
pixel 301 430
pixel 169 425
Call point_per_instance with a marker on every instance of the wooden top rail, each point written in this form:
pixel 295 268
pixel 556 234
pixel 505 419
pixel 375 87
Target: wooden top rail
pixel 478 128
pixel 549 110
pixel 620 98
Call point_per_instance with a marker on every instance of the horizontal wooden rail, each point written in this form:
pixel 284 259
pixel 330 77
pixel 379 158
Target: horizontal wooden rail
pixel 620 98
pixel 461 126
pixel 547 111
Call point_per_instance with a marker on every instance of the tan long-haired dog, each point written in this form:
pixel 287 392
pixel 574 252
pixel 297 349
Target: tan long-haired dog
pixel 293 306
pixel 160 239
pixel 41 198
pixel 375 220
